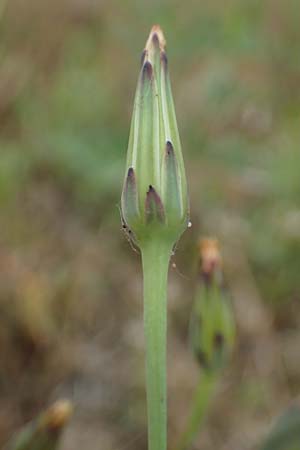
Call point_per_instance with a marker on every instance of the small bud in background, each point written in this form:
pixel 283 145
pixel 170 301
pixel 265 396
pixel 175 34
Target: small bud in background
pixel 44 432
pixel 212 324
pixel 154 198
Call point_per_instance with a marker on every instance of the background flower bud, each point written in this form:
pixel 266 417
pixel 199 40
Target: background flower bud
pixel 212 324
pixel 45 431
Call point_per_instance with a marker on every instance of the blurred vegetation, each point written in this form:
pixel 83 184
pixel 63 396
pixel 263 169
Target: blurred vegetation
pixel 70 288
pixel 285 433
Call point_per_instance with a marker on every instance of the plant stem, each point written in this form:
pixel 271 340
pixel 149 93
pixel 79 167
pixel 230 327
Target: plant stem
pixel 202 398
pixel 155 257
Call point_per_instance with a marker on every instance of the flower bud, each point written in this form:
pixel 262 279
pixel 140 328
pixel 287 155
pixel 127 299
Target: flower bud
pixel 45 431
pixel 212 324
pixel 154 198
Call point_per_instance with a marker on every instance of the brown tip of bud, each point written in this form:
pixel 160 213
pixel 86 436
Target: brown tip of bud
pixel 147 70
pixel 156 37
pixel 210 255
pixel 58 414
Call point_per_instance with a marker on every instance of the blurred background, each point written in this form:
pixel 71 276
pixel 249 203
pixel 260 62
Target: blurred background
pixel 70 284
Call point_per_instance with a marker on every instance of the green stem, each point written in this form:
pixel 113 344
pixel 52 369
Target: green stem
pixel 156 256
pixel 202 398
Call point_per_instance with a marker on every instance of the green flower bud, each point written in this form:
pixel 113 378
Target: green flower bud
pixel 154 198
pixel 212 325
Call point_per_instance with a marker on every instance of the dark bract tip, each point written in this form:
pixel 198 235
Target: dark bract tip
pixel 169 148
pixel 143 56
pixel 164 59
pixel 154 207
pixel 130 173
pixel 147 70
pixel 130 183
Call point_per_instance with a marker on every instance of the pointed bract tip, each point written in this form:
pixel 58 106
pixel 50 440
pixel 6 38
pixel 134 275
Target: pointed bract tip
pixel 153 206
pixel 129 200
pixel 130 173
pixel 156 37
pixel 144 56
pixel 164 59
pixel 130 183
pixel 147 70
pixel 169 148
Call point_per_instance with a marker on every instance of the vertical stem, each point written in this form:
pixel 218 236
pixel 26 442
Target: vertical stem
pixel 156 256
pixel 202 399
